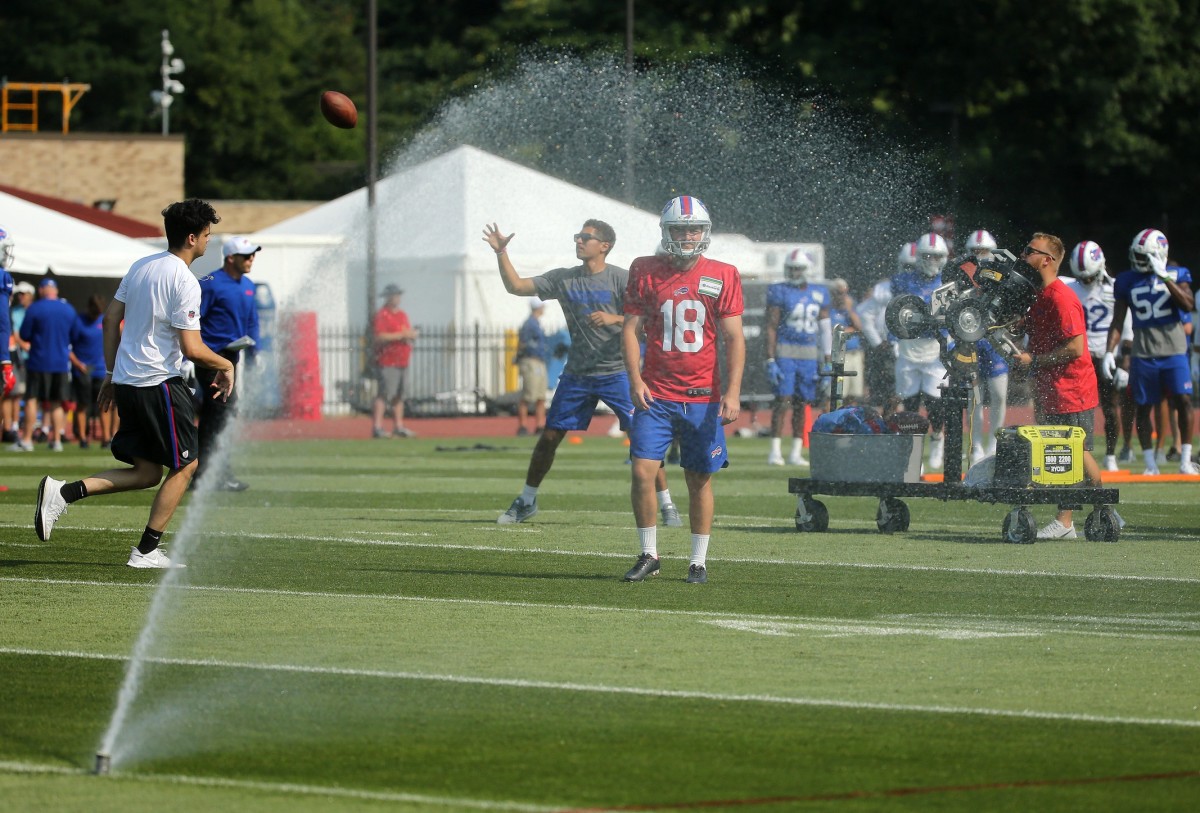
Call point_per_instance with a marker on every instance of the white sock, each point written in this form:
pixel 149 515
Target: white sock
pixel 1148 456
pixel 529 494
pixel 699 549
pixel 1185 451
pixel 649 540
pixel 776 444
pixel 797 446
pixel 664 497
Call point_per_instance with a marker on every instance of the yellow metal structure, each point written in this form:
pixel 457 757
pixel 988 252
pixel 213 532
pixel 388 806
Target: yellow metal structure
pixel 1040 455
pixel 13 98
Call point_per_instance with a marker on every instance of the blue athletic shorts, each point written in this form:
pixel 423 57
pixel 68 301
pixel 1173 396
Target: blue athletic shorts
pixel 576 397
pixel 1151 379
pixel 799 379
pixel 698 426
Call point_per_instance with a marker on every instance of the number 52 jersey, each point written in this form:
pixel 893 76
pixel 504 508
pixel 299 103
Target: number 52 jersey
pixel 682 312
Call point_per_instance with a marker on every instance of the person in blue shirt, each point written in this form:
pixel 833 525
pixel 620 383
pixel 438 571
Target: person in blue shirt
pixel 88 371
pixel 50 327
pixel 228 325
pixel 531 361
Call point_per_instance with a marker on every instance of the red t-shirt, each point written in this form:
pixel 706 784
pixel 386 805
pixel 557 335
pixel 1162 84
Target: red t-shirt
pixel 392 354
pixel 1056 316
pixel 682 311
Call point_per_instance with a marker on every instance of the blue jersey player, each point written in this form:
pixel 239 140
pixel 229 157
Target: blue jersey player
pixel 799 336
pixel 1158 297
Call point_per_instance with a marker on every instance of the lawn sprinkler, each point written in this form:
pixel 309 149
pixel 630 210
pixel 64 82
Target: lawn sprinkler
pixel 103 764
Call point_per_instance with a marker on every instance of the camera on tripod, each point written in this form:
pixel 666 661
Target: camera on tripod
pixel 982 297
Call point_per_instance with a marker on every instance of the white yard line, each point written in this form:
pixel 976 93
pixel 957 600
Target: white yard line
pixel 591 688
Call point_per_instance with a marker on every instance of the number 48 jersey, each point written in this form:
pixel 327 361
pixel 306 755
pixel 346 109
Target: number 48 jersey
pixel 682 312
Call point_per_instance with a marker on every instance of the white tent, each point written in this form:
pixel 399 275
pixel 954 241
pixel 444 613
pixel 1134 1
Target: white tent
pixel 430 221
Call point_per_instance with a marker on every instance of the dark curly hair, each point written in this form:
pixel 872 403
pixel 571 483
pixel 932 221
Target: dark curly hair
pixel 187 217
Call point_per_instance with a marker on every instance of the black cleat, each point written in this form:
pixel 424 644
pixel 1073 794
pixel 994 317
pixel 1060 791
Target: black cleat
pixel 647 565
pixel 697 574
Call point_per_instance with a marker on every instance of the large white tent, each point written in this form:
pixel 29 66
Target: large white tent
pixel 430 221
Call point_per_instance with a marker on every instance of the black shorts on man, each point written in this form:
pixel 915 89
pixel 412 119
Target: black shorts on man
pixel 157 424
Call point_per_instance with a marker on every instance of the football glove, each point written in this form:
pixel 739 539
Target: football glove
pixel 1121 379
pixel 775 373
pixel 10 379
pixel 1110 365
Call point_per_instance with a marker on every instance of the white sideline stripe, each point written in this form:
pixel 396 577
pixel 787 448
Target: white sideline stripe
pixel 679 694
pixel 281 787
pixel 932 624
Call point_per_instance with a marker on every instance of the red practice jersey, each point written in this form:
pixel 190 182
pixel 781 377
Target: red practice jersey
pixel 682 312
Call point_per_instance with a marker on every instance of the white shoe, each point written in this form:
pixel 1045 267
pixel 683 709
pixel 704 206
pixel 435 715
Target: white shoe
pixel 797 459
pixel 774 459
pixel 977 454
pixel 50 506
pixel 1110 463
pixel 56 446
pixel 1056 530
pixel 1151 471
pixel 937 453
pixel 155 558
pixel 1188 467
pixel 21 446
pixel 614 431
pixel 670 515
pixel 1160 457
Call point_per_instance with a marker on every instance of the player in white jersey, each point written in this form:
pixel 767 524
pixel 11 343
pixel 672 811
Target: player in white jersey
pixel 159 303
pixel 881 353
pixel 1094 288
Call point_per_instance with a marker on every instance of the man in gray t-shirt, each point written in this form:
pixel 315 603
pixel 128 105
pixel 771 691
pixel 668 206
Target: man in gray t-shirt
pixel 592 296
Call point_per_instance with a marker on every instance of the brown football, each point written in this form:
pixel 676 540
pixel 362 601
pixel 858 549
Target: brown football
pixel 338 110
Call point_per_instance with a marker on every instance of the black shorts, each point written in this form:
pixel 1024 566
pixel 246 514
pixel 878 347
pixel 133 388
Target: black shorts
pixel 86 389
pixel 48 386
pixel 157 424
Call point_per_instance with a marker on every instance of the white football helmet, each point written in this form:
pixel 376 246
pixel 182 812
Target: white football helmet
pixel 907 258
pixel 1087 262
pixel 8 248
pixel 1148 249
pixel 796 266
pixel 981 243
pixel 932 254
pixel 685 211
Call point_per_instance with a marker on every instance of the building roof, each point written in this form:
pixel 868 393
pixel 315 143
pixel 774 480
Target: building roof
pixel 126 226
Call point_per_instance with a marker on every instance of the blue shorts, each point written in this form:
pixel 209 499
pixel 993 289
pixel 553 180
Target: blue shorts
pixel 1151 379
pixel 698 426
pixel 799 379
pixel 576 397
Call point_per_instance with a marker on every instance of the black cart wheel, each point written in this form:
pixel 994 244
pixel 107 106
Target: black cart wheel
pixel 1102 526
pixel 1019 527
pixel 811 515
pixel 891 516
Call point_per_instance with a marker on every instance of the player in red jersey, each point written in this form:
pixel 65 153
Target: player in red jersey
pixel 680 301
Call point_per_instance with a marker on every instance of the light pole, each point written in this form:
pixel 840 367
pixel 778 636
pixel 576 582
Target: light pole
pixel 170 86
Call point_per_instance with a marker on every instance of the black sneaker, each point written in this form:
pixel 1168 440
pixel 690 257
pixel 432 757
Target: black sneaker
pixel 1172 455
pixel 697 574
pixel 647 565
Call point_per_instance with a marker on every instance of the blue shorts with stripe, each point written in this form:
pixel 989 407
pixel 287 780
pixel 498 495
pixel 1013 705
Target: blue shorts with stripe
pixel 698 427
pixel 576 396
pixel 799 379
pixel 1151 379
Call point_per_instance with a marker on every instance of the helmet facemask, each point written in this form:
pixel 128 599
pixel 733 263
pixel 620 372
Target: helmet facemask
pixel 690 213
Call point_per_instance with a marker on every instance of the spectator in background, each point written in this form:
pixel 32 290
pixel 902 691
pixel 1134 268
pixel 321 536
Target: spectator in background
pixel 23 293
pixel 531 361
pixel 51 327
pixel 228 325
pixel 88 371
pixel 394 337
pixel 8 376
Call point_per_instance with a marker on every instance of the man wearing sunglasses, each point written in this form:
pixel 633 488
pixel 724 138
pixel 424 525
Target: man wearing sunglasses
pixel 1065 391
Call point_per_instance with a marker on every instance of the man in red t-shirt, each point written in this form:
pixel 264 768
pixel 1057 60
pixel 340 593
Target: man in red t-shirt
pixel 1065 391
pixel 394 338
pixel 681 301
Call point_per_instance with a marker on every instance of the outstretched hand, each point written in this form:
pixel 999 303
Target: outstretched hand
pixel 223 384
pixel 493 237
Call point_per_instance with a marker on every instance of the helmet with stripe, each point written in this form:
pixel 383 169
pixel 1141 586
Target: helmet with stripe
pixel 1087 261
pixel 1149 248
pixel 932 254
pixel 906 258
pixel 981 243
pixel 685 211
pixel 796 266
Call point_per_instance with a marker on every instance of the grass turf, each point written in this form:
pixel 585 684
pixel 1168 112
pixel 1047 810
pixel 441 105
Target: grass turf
pixel 356 632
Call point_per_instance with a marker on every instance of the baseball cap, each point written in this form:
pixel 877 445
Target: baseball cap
pixel 47 282
pixel 23 288
pixel 392 290
pixel 240 245
pixel 535 303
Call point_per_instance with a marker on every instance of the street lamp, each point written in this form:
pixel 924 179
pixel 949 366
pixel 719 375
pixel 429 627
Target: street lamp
pixel 170 87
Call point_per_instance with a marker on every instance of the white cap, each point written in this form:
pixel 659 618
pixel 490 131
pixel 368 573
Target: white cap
pixel 24 288
pixel 240 245
pixel 535 303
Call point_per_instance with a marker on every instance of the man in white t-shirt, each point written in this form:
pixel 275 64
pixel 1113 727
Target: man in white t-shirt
pixel 159 303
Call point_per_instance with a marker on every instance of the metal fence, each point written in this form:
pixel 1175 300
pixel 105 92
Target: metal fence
pixel 452 371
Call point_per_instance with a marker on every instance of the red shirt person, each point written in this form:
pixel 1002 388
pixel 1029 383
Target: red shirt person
pixel 394 336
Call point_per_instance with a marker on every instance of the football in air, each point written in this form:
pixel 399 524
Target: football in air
pixel 338 110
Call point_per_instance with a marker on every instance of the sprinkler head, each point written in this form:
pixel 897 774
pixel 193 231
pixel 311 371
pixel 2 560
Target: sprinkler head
pixel 103 764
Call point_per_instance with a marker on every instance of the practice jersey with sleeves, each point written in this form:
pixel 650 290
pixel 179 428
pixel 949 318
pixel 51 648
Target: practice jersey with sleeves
pixel 1157 320
pixel 50 326
pixel 1098 303
pixel 925 349
pixel 594 350
pixel 681 312
pixel 800 308
pixel 88 346
pixel 161 297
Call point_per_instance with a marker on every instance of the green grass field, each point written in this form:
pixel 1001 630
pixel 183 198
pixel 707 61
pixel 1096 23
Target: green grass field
pixel 355 632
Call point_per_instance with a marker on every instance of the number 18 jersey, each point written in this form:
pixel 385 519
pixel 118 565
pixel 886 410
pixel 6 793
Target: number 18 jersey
pixel 682 312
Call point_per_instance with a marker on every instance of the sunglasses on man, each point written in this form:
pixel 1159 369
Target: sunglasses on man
pixel 1025 252
pixel 583 237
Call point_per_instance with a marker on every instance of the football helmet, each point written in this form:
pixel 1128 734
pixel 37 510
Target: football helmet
pixel 1087 262
pixel 907 258
pixel 981 243
pixel 796 266
pixel 1148 249
pixel 8 248
pixel 685 211
pixel 932 254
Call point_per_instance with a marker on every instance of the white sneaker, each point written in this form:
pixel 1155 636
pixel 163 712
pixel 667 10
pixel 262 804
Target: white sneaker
pixel 614 431
pixel 50 507
pixel 797 459
pixel 21 446
pixel 1056 530
pixel 1188 467
pixel 670 515
pixel 977 454
pixel 155 558
pixel 774 459
pixel 56 446
pixel 1110 463
pixel 936 453
pixel 1151 471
